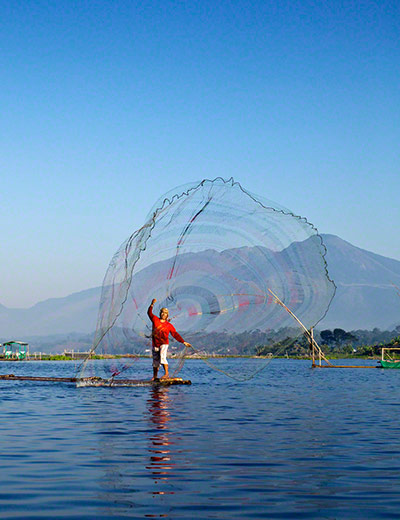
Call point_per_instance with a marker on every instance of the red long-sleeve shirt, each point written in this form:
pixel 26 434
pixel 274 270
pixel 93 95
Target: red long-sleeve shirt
pixel 161 330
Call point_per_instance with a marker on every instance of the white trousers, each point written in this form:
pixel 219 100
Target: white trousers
pixel 160 355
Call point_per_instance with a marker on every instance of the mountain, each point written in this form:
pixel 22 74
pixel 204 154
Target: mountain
pixel 365 298
pixel 74 313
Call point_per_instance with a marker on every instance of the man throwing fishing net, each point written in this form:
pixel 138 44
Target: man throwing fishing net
pixel 160 341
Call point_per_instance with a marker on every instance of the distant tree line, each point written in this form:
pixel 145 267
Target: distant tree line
pixel 337 337
pixel 335 342
pixel 359 341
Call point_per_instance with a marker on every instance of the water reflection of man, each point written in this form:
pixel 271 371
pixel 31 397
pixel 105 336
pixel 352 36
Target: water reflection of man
pixel 160 459
pixel 162 328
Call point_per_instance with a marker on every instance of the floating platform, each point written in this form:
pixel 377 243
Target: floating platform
pixel 98 381
pixel 345 366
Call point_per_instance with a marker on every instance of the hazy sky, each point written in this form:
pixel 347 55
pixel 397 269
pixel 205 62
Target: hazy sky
pixel 106 105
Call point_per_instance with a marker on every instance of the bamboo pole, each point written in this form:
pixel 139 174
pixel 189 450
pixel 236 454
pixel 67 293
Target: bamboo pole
pixel 348 366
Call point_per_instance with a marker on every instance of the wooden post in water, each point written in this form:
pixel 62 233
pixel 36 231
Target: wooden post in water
pixel 311 341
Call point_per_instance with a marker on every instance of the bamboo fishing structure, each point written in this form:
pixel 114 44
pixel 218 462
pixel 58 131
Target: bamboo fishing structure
pixel 315 348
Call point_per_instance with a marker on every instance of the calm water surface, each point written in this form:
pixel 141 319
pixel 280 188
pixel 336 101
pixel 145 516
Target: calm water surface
pixel 291 443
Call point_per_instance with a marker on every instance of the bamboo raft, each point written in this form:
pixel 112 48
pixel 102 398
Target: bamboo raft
pixel 98 381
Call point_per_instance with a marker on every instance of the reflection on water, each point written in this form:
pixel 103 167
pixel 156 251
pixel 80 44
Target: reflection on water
pixel 138 454
pixel 161 439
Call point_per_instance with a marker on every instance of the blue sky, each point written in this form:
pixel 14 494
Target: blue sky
pixel 107 105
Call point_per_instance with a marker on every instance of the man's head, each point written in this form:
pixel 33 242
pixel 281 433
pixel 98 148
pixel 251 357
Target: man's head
pixel 164 313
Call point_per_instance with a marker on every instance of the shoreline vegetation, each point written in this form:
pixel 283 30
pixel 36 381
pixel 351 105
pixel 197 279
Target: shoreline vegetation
pixel 335 344
pixel 60 357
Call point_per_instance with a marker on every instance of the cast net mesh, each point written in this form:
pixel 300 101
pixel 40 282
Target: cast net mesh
pixel 209 252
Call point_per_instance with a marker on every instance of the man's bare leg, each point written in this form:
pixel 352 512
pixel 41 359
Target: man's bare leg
pixel 165 376
pixel 155 373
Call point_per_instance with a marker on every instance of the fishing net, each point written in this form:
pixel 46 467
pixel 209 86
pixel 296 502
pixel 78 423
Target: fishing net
pixel 211 252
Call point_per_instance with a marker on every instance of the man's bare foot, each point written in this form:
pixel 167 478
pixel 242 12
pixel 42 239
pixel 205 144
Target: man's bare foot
pixel 165 376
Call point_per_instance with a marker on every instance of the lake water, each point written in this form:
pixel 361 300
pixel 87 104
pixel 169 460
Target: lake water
pixel 290 443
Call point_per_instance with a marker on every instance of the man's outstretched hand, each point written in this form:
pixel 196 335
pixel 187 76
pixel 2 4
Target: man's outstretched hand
pixel 187 344
pixel 153 301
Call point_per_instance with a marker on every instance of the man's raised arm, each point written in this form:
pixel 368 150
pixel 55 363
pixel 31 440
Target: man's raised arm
pixel 150 309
